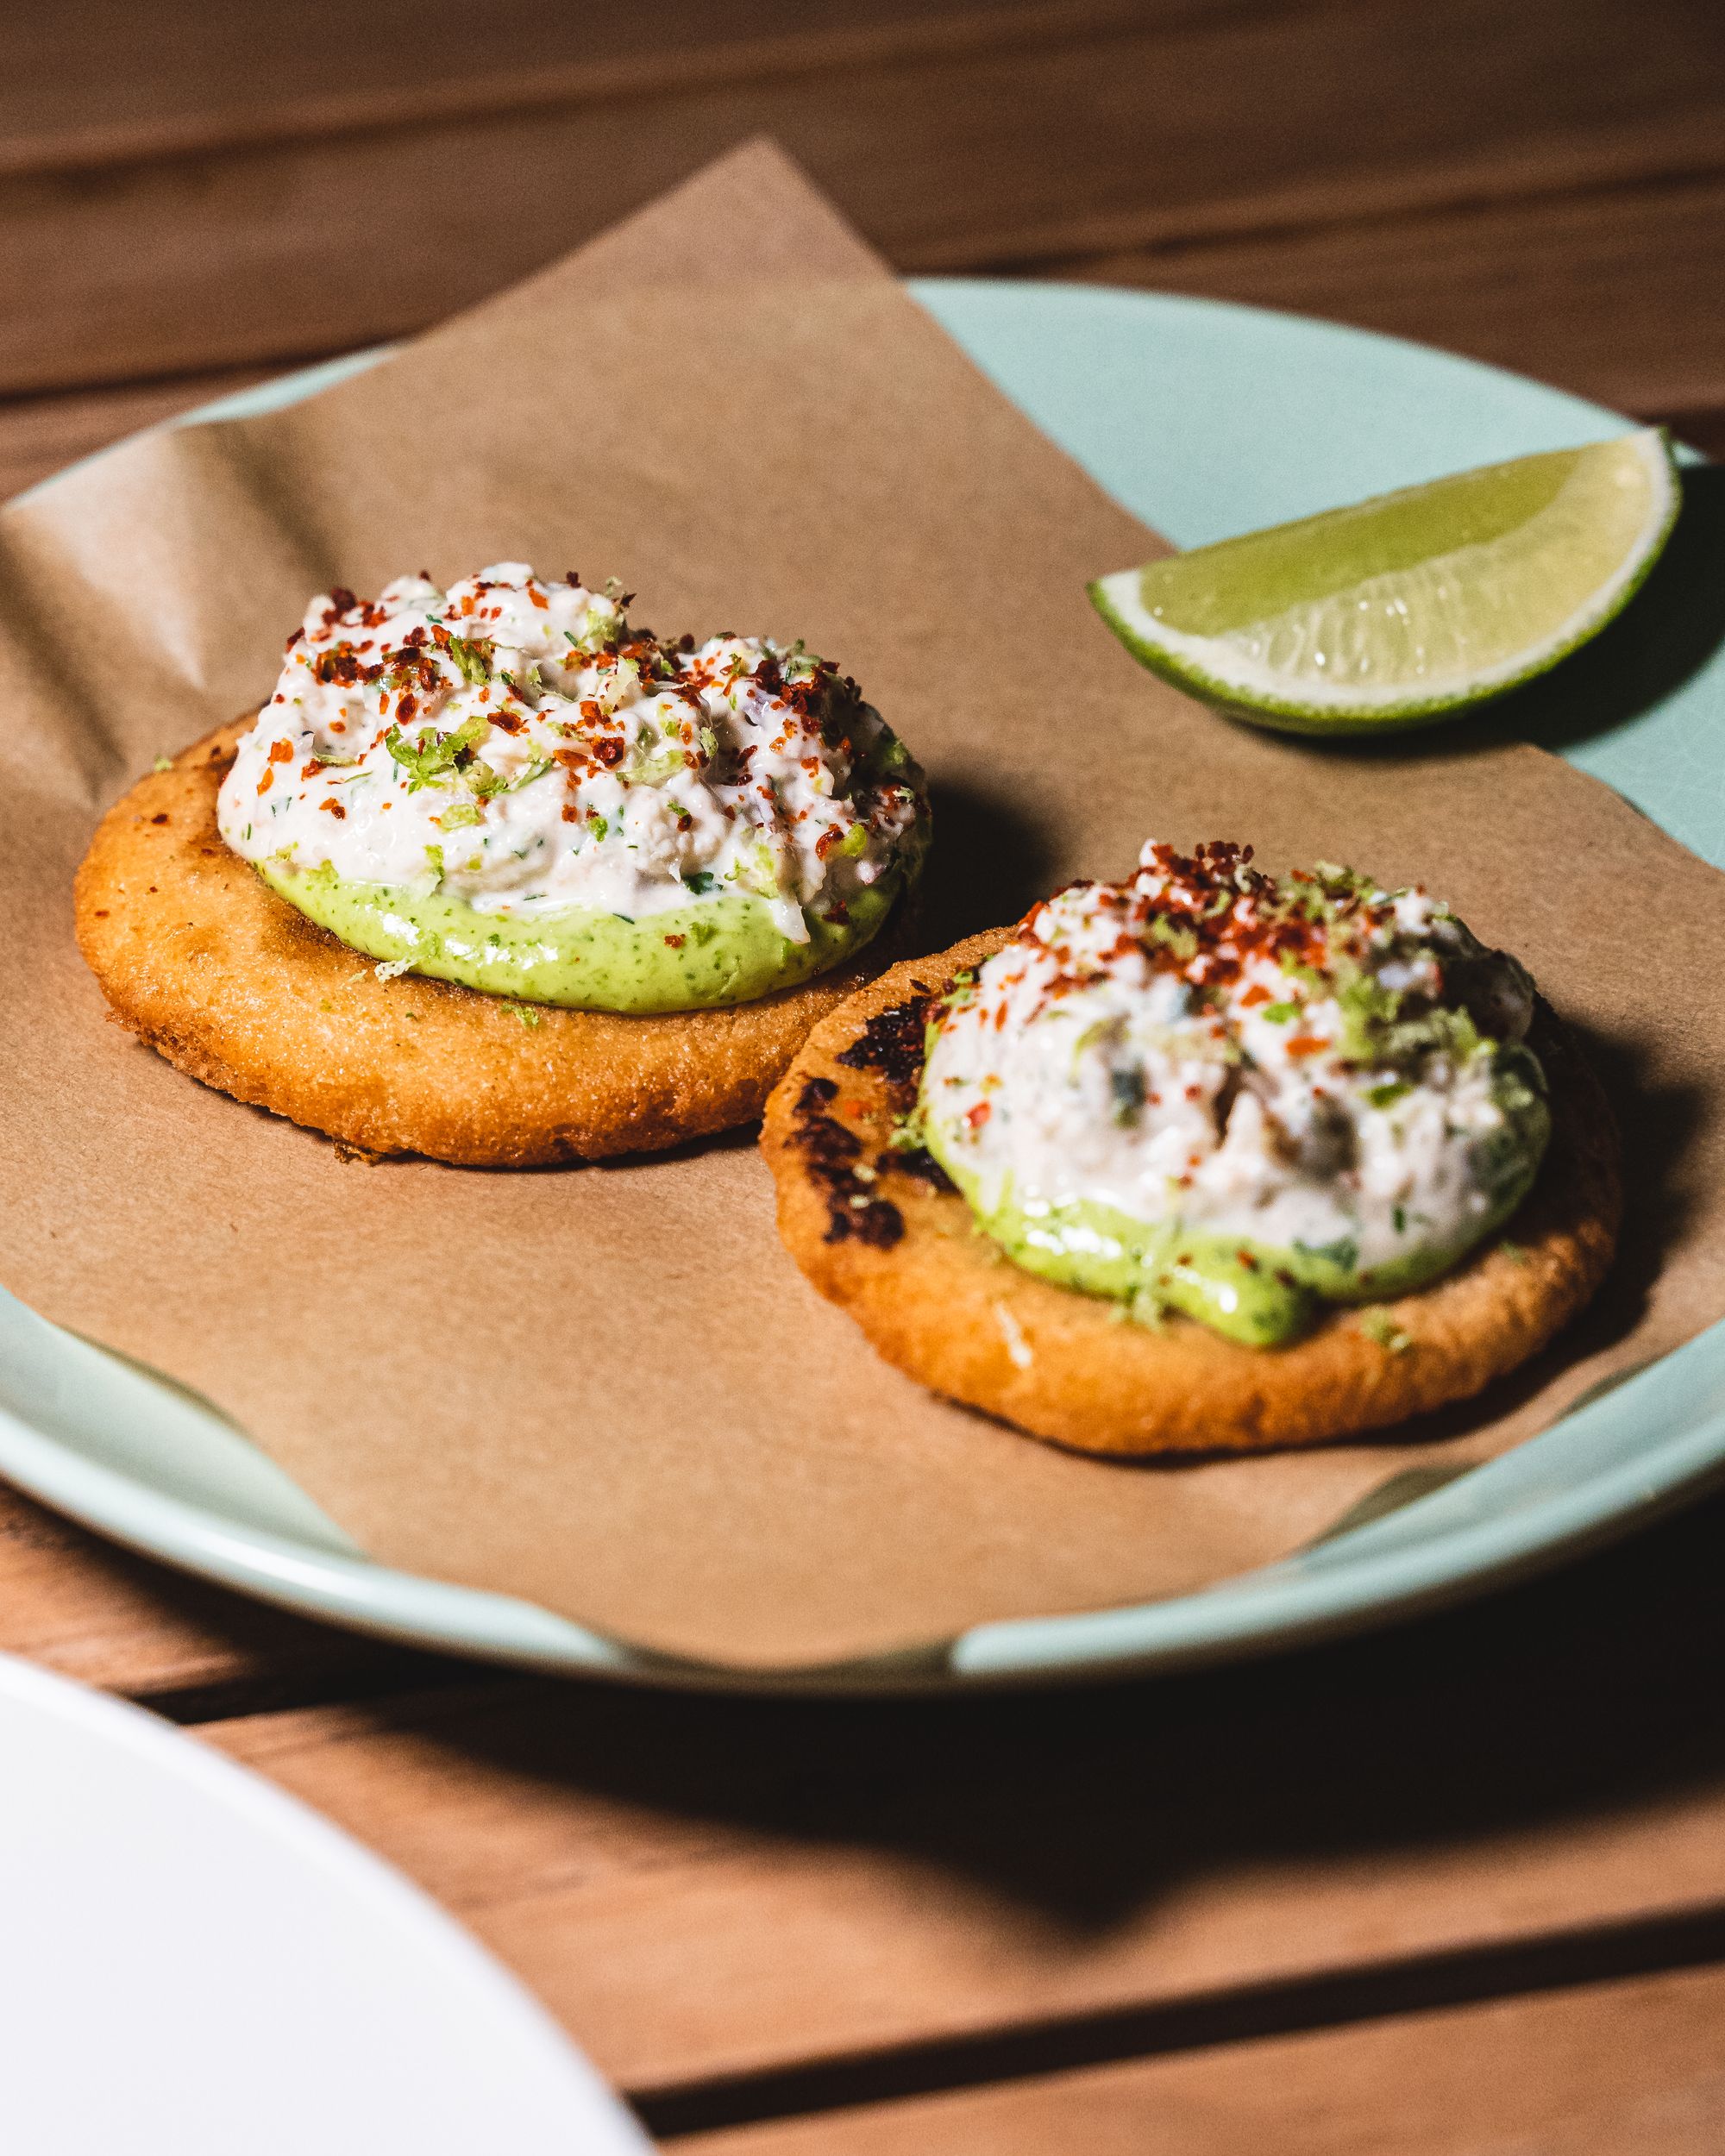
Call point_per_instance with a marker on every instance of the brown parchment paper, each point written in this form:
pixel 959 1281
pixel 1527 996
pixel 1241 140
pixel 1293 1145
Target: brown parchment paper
pixel 607 1388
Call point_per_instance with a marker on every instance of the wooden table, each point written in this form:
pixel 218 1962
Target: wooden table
pixel 1458 1887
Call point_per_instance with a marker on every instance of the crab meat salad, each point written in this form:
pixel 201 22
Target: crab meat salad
pixel 505 784
pixel 1235 1096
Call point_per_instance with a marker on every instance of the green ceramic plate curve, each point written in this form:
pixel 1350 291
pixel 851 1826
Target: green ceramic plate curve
pixel 1206 420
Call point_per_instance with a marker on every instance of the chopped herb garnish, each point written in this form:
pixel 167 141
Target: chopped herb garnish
pixel 431 759
pixel 1378 1324
pixel 487 783
pixel 1125 1092
pixel 472 656
pixel 1182 941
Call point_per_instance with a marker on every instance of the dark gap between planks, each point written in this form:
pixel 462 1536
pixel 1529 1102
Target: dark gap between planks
pixel 1466 1977
pixel 354 1673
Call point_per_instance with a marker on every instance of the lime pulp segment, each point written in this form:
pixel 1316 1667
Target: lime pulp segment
pixel 1411 604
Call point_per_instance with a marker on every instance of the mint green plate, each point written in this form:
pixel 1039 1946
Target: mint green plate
pixel 1206 420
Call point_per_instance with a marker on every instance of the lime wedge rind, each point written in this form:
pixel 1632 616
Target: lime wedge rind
pixel 1214 669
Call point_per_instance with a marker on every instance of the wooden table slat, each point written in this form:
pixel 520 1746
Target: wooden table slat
pixel 186 81
pixel 711 1888
pixel 275 249
pixel 1600 2071
pixel 1615 294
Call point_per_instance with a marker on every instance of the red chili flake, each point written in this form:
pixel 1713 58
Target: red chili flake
pixel 979 1115
pixel 609 752
pixel 311 770
pixel 539 599
pixel 267 779
pixel 332 808
pixel 407 708
pixel 280 751
pixel 676 942
pixel 1307 1044
pixel 295 638
pixel 571 814
pixel 1254 995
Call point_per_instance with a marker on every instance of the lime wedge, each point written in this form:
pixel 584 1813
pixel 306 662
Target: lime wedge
pixel 1399 610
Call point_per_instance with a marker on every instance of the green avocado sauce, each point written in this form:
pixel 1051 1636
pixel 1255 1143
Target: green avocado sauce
pixel 1255 1292
pixel 712 952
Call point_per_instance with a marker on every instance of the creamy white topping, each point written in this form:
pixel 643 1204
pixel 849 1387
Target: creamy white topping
pixel 1309 1063
pixel 518 744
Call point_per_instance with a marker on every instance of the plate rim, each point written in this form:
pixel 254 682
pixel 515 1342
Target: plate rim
pixel 1366 1577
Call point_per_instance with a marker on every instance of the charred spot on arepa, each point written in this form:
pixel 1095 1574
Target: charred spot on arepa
pixel 916 1161
pixel 832 1161
pixel 892 1043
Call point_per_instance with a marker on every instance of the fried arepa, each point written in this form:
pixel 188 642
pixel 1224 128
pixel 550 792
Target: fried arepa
pixel 200 959
pixel 880 1231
